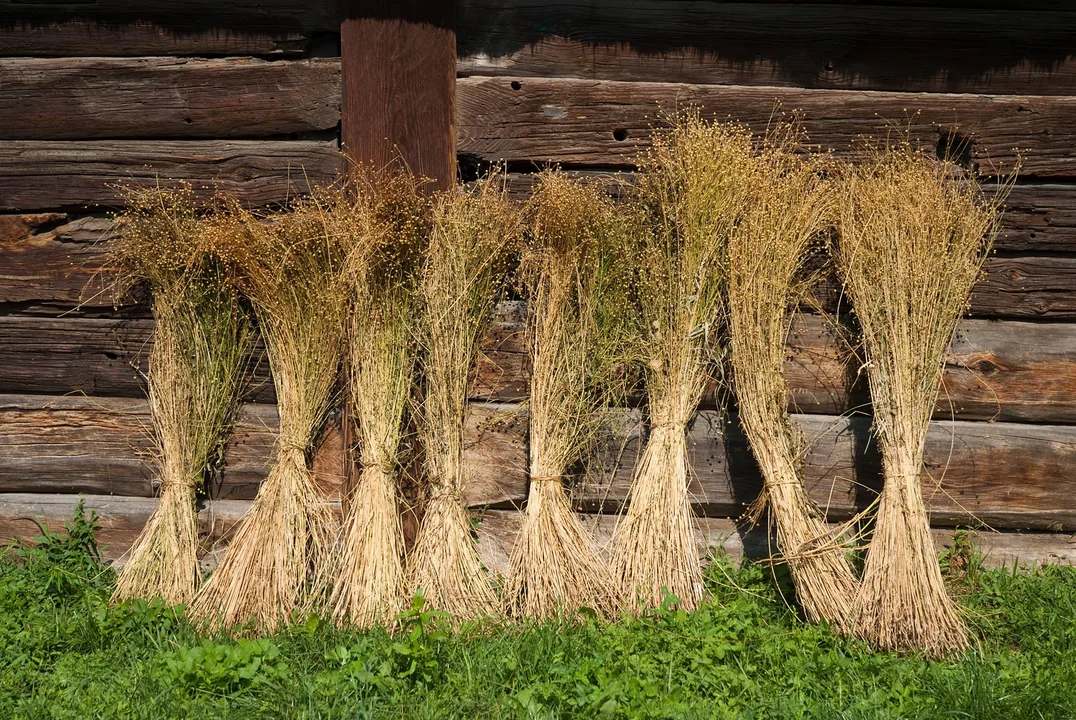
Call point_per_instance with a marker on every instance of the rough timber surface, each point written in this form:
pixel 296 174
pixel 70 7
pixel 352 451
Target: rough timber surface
pixel 166 97
pixel 55 174
pixel 606 123
pixel 868 46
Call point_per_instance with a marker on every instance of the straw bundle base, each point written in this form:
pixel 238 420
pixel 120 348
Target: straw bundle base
pixel 825 584
pixel 369 577
pixel 555 567
pixel 444 563
pixel 163 563
pixel 903 604
pixel 263 576
pixel 654 549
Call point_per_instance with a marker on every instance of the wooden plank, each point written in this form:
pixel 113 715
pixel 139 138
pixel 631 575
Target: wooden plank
pixel 497 532
pixel 69 444
pixel 589 122
pixel 80 38
pixel 811 45
pixel 166 97
pixel 998 370
pixel 399 75
pixel 40 175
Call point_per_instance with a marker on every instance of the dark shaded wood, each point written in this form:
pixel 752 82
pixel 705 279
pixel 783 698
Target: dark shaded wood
pixel 70 444
pixel 41 175
pixel 1004 370
pixel 588 122
pixel 166 97
pixel 815 45
pixel 399 74
pixel 80 38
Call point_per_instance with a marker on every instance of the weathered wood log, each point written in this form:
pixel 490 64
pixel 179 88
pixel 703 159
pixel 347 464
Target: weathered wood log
pixel 166 97
pixel 833 46
pixel 81 38
pixel 105 446
pixel 121 519
pixel 590 122
pixel 998 370
pixel 497 531
pixel 63 174
pixel 1004 475
pixel 51 264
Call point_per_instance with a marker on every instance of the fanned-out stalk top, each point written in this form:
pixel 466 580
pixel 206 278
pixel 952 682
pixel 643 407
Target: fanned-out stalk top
pixel 789 210
pixel 692 190
pixel 473 237
pixel 386 221
pixel 293 271
pixel 914 233
pixel 576 277
pixel 196 373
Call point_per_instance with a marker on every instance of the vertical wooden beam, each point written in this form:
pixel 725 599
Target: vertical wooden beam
pixel 399 80
pixel 399 105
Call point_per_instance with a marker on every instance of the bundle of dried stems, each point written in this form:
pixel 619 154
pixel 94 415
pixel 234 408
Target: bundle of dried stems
pixel 386 221
pixel 914 233
pixel 576 275
pixel 473 236
pixel 789 211
pixel 196 372
pixel 293 270
pixel 692 191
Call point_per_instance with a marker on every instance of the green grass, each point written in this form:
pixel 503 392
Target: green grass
pixel 65 654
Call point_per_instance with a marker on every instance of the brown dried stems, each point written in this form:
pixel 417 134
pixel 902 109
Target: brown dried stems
pixel 196 372
pixel 292 269
pixel 788 211
pixel 913 237
pixel 472 238
pixel 692 191
pixel 386 221
pixel 577 291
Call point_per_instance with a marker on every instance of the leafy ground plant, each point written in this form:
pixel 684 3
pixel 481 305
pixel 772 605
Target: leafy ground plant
pixel 65 653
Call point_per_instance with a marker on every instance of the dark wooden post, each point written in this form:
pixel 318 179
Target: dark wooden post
pixel 399 84
pixel 398 62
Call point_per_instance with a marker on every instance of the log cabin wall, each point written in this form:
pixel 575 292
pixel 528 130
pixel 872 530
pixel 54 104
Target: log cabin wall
pixel 246 96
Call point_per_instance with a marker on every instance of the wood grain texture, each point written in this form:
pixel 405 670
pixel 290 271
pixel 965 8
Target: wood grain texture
pixel 81 38
pixel 1005 475
pixel 1004 370
pixel 399 76
pixel 45 175
pixel 166 97
pixel 122 518
pixel 591 122
pixel 813 45
pixel 69 444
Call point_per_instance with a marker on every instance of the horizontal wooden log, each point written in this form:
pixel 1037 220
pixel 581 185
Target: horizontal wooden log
pixel 122 518
pixel 166 97
pixel 590 122
pixel 63 174
pixel 811 45
pixel 998 370
pixel 69 444
pixel 81 38
pixel 497 532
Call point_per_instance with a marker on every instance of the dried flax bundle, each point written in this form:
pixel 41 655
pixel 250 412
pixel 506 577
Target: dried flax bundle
pixel 692 191
pixel 788 212
pixel 472 238
pixel 577 290
pixel 386 221
pixel 196 372
pixel 913 237
pixel 292 269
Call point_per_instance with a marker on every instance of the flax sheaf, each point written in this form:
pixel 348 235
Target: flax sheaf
pixel 196 372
